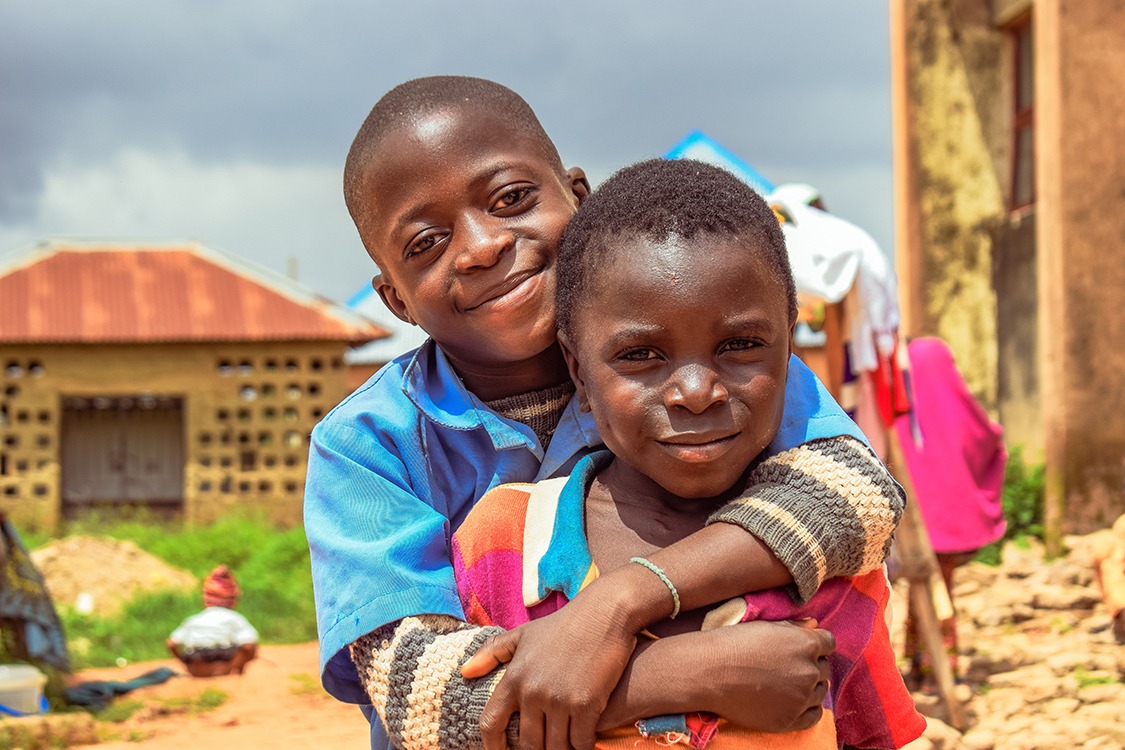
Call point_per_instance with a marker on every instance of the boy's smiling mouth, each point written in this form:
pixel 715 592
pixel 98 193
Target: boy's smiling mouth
pixel 698 447
pixel 512 291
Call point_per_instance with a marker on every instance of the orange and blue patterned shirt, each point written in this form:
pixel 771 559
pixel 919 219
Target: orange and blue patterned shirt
pixel 522 553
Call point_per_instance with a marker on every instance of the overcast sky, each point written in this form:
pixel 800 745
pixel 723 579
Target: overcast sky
pixel 228 122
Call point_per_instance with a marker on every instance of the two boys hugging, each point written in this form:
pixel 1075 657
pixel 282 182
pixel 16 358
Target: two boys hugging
pixel 713 429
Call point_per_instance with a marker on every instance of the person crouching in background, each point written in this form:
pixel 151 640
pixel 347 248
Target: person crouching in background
pixel 218 640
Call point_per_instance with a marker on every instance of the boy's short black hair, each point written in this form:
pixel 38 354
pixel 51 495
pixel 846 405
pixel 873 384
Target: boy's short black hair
pixel 417 98
pixel 658 199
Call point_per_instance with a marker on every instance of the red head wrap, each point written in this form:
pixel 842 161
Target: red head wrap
pixel 220 589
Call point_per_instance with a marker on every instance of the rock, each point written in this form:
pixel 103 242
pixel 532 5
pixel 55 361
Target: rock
pixel 1060 707
pixel 976 573
pixel 1035 682
pixel 1102 742
pixel 1102 720
pixel 1020 558
pixel 1103 694
pixel 1054 596
pixel 1021 613
pixel 1068 573
pixel 1085 550
pixel 1067 662
pixel 1003 702
pixel 979 739
pixel 985 663
pixel 942 736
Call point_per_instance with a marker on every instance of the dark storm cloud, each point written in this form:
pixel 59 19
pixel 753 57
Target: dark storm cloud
pixel 791 87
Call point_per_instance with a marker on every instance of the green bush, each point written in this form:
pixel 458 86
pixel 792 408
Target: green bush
pixel 270 564
pixel 1022 501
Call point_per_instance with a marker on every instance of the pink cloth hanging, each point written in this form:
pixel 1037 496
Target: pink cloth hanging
pixel 958 467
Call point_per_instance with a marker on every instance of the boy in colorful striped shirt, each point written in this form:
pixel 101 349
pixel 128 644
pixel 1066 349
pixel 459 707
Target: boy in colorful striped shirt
pixel 676 306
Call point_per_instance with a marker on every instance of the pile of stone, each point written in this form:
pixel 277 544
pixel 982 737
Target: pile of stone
pixel 1040 667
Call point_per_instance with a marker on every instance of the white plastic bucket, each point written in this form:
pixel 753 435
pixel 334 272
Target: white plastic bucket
pixel 21 690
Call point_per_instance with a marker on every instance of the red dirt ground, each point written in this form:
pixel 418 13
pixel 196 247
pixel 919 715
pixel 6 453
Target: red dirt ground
pixel 276 703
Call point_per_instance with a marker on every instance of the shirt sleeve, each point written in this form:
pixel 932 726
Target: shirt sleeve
pixel 826 508
pixel 379 552
pixel 872 705
pixel 411 671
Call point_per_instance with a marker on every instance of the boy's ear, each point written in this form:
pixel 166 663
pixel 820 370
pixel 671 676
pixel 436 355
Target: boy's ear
pixel 575 371
pixel 579 185
pixel 390 298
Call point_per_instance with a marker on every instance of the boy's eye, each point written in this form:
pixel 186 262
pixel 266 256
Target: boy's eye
pixel 421 244
pixel 639 354
pixel 511 198
pixel 740 345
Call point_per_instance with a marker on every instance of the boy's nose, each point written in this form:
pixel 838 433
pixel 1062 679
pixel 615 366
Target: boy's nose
pixel 695 387
pixel 481 243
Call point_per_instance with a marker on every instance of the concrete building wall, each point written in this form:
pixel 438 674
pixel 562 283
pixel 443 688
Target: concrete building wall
pixel 1080 119
pixel 953 128
pixel 1027 298
pixel 247 413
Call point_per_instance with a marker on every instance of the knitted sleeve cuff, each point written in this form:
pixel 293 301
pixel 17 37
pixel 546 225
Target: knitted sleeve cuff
pixel 411 670
pixel 826 508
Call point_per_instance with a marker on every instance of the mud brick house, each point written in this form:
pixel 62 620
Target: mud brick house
pixel 175 378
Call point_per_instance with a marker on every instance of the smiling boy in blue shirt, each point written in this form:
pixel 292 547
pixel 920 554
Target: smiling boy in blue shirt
pixel 460 198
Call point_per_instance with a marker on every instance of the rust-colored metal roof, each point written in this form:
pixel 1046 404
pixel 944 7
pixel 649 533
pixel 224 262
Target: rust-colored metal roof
pixel 100 293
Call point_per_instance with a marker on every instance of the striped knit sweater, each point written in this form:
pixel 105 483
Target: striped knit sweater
pixel 826 508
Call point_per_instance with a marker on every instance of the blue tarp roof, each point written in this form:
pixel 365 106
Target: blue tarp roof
pixel 702 147
pixel 403 335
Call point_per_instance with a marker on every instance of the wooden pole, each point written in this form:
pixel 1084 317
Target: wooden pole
pixel 928 594
pixel 929 598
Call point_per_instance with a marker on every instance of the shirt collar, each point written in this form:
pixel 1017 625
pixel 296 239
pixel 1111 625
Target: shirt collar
pixel 432 384
pixel 566 565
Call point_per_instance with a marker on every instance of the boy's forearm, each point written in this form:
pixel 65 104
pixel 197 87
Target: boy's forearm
pixel 761 676
pixel 645 689
pixel 826 509
pixel 411 672
pixel 418 657
pixel 822 510
pixel 718 562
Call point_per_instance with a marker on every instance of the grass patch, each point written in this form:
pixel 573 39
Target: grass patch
pixel 304 684
pixel 208 700
pixel 1085 679
pixel 1022 502
pixel 119 711
pixel 271 565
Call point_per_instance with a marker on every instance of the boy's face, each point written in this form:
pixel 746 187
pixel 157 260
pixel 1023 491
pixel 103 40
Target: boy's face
pixel 466 215
pixel 681 352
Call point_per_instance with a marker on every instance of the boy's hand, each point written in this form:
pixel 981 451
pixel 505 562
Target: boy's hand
pixel 561 676
pixel 766 676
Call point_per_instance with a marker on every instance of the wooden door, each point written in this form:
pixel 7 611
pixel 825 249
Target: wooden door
pixel 122 451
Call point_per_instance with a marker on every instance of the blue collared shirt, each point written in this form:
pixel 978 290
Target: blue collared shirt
pixel 395 467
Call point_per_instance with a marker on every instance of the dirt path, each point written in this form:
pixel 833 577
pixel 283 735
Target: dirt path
pixel 276 703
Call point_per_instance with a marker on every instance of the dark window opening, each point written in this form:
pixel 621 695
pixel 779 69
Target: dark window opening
pixel 1023 115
